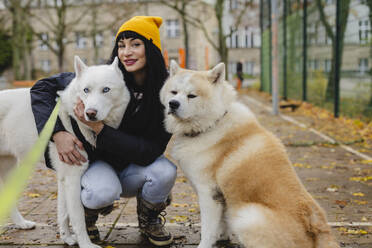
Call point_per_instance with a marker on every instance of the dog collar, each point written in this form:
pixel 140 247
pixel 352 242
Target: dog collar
pixel 193 134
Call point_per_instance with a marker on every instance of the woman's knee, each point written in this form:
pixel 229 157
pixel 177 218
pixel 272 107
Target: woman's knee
pixel 164 170
pixel 100 186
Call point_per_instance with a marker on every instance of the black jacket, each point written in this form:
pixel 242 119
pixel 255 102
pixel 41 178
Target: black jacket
pixel 139 138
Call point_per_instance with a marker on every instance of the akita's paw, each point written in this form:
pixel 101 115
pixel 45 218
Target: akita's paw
pixel 25 225
pixel 70 239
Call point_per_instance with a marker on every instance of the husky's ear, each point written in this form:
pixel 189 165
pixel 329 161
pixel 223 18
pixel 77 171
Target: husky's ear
pixel 217 74
pixel 115 65
pixel 79 66
pixel 174 67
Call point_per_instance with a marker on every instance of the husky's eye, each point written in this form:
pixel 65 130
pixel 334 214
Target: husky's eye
pixel 86 90
pixel 106 89
pixel 191 96
pixel 174 92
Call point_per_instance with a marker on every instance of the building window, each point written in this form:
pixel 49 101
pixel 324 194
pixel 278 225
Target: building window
pixel 42 42
pixel 248 67
pixel 363 65
pixel 327 65
pixel 233 4
pixel 46 65
pixel 313 64
pixel 364 30
pixel 81 40
pixel 99 39
pixel 232 67
pixel 234 40
pixel 172 28
pixel 248 38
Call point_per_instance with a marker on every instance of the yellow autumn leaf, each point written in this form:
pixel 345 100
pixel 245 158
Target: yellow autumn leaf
pixel 360 202
pixel 360 179
pixel 366 161
pixel 178 218
pixel 302 165
pixel 358 194
pixel 109 246
pixel 352 231
pixel 184 205
pixel 33 195
pixel 192 210
pixel 54 196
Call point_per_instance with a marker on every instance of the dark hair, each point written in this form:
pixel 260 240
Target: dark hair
pixel 156 72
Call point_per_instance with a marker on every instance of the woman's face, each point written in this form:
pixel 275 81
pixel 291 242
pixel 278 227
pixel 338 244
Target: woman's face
pixel 131 53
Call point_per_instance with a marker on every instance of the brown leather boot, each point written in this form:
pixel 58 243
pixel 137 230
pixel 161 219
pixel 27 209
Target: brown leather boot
pixel 151 222
pixel 91 216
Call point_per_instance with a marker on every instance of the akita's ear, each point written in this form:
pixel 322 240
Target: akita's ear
pixel 115 65
pixel 79 66
pixel 217 74
pixel 174 67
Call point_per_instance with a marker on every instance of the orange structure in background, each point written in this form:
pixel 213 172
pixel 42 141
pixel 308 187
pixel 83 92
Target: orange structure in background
pixel 182 57
pixel 238 83
pixel 166 58
pixel 23 83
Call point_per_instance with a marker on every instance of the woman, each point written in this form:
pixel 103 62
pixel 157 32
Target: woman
pixel 128 161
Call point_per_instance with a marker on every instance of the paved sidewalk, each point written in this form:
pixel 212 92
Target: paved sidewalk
pixel 324 170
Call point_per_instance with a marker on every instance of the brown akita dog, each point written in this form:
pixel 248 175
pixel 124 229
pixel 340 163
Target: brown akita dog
pixel 240 171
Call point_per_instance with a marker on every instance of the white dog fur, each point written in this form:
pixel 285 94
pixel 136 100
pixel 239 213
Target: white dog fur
pixel 18 134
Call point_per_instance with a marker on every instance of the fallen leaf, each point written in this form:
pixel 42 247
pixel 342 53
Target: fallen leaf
pixel 360 202
pixel 358 194
pixel 332 188
pixel 178 218
pixel 341 204
pixel 361 179
pixel 345 230
pixel 33 195
pixel 366 161
pixel 302 165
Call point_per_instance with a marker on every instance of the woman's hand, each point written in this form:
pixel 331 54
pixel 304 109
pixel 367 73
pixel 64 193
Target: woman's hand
pixel 67 144
pixel 96 126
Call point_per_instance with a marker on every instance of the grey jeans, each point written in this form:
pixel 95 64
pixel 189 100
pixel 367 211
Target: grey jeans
pixel 101 185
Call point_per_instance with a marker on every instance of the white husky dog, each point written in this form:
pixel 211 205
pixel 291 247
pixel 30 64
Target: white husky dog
pixel 240 171
pixel 102 90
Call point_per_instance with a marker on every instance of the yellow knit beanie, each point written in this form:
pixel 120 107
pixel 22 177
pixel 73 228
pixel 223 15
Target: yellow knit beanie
pixel 147 26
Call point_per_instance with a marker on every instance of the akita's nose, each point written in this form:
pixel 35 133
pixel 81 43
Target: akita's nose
pixel 91 113
pixel 174 104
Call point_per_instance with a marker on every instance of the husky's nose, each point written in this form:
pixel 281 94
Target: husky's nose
pixel 91 113
pixel 174 104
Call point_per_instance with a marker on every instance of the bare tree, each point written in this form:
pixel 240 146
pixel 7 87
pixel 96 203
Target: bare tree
pixel 107 16
pixel 219 43
pixel 345 5
pixel 54 20
pixel 368 110
pixel 180 6
pixel 21 38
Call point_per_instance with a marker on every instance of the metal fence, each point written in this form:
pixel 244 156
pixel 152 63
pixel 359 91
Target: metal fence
pixel 325 53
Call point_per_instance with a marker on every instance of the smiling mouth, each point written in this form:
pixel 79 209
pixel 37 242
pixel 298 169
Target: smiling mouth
pixel 129 62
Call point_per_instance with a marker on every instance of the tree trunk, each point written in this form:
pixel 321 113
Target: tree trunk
pixel 345 5
pixel 186 37
pixel 368 109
